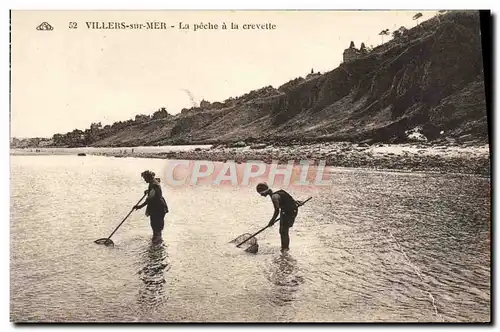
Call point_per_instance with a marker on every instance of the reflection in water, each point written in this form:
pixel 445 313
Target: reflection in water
pixel 353 269
pixel 284 279
pixel 152 294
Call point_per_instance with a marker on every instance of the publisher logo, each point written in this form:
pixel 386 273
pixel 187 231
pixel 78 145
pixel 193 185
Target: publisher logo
pixel 45 27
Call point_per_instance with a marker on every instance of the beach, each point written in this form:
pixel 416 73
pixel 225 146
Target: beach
pixel 422 157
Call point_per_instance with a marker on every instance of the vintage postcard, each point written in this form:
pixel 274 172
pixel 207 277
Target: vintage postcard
pixel 250 166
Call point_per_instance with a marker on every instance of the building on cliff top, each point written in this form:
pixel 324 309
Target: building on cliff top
pixel 352 53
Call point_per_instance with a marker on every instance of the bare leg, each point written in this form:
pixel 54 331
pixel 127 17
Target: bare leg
pixel 285 238
pixel 157 223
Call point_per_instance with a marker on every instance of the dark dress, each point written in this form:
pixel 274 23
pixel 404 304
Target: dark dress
pixel 156 207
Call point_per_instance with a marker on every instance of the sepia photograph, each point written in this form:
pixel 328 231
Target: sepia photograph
pixel 250 166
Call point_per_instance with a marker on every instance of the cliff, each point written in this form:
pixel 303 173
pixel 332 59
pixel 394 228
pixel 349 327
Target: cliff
pixel 430 79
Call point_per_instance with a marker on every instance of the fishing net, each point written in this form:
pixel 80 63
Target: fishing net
pixel 106 241
pixel 249 246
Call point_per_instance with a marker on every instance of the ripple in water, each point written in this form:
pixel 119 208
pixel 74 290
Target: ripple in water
pixel 152 274
pixel 373 247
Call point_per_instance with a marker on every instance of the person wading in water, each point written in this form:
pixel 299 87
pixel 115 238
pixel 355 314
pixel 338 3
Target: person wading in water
pixel 285 206
pixel 156 205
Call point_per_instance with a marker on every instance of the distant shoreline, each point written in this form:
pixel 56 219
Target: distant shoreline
pixel 463 159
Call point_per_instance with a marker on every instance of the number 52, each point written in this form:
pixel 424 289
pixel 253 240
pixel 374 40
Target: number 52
pixel 73 25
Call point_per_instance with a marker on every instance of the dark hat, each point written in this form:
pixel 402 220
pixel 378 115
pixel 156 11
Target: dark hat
pixel 148 174
pixel 262 187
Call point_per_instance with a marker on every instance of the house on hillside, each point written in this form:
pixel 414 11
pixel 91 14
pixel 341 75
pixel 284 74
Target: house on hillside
pixel 352 53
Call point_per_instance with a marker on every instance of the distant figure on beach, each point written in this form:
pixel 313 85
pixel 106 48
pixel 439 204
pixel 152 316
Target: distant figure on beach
pixel 156 205
pixel 132 150
pixel 286 207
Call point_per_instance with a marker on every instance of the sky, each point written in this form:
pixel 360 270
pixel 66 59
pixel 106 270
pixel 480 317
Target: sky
pixel 68 78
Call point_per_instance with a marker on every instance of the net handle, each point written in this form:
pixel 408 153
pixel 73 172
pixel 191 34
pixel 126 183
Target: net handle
pixel 253 235
pixel 132 210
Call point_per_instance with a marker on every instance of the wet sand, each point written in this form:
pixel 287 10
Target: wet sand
pixel 471 159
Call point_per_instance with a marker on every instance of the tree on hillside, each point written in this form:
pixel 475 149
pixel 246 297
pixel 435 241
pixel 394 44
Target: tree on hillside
pixel 160 114
pixel 399 32
pixel 92 134
pixel 417 16
pixel 140 118
pixel 352 45
pixel 75 138
pixel 58 139
pixel 363 48
pixel 439 14
pixel 205 104
pixel 384 33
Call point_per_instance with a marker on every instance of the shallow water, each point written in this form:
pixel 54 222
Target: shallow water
pixel 374 246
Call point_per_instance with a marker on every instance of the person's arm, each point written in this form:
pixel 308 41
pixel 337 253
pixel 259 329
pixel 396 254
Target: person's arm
pixel 276 202
pixel 140 206
pixel 150 194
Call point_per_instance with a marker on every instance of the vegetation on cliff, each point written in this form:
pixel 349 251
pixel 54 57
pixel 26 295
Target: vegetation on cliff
pixel 428 78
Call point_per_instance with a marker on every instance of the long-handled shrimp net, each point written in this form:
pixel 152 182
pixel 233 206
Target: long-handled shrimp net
pixel 107 241
pixel 248 242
